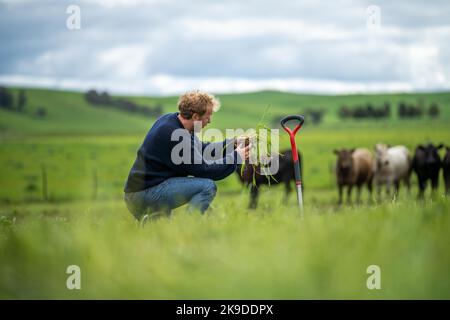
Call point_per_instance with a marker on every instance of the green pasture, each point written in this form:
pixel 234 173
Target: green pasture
pixel 61 181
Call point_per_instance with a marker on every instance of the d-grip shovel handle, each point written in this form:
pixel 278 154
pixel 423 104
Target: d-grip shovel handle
pixel 286 119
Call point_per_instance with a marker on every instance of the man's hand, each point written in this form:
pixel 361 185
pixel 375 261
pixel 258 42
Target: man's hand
pixel 244 140
pixel 243 151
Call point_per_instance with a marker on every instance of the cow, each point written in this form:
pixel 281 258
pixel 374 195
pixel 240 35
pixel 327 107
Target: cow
pixel 426 164
pixel 354 167
pixel 393 165
pixel 446 170
pixel 251 176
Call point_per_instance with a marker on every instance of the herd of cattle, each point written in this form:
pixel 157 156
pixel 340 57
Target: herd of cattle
pixel 388 167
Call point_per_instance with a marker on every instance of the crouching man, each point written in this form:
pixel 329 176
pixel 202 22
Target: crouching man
pixel 159 182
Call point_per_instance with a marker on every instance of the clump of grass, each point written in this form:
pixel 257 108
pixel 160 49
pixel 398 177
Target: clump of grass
pixel 261 149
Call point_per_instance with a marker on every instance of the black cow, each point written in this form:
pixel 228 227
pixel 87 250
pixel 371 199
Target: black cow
pixel 446 167
pixel 426 164
pixel 251 175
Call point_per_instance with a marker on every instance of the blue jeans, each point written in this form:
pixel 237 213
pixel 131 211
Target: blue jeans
pixel 170 194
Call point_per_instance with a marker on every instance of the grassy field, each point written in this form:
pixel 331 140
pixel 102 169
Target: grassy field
pixel 86 152
pixel 229 253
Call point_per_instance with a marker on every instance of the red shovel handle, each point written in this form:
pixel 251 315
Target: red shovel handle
pixel 298 118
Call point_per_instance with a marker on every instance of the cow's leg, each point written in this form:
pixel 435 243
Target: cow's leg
pixel 434 183
pixel 408 184
pixel 396 188
pixel 349 194
pixel 358 194
pixel 288 189
pixel 379 184
pixel 253 197
pixel 388 187
pixel 369 187
pixel 340 187
pixel 422 185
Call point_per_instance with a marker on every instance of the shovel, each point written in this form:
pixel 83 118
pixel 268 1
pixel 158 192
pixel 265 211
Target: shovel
pixel 298 179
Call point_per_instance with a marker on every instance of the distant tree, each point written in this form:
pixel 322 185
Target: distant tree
pixel 126 105
pixel 365 111
pixel 92 97
pixel 6 99
pixel 360 112
pixel 315 116
pixel 105 98
pixel 433 110
pixel 409 110
pixel 41 112
pixel 21 100
pixel 415 111
pixel 370 110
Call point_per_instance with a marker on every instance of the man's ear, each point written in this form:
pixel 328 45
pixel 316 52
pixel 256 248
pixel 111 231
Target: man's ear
pixel 196 117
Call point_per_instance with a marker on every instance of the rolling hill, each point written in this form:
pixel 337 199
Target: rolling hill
pixel 69 113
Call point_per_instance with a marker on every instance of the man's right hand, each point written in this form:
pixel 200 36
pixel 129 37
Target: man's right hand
pixel 243 151
pixel 244 139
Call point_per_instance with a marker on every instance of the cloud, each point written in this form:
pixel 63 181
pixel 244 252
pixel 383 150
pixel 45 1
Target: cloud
pixel 162 47
pixel 124 61
pixel 169 85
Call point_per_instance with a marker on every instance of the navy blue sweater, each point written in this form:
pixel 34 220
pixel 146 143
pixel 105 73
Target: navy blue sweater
pixel 154 163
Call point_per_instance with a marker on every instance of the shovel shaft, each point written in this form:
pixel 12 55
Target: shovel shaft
pixel 300 199
pixel 298 183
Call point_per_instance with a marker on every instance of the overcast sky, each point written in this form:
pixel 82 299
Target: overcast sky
pixel 167 47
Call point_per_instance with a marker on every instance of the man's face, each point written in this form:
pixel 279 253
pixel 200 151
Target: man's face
pixel 206 118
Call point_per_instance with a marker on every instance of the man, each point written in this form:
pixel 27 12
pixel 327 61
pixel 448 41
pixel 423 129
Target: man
pixel 159 182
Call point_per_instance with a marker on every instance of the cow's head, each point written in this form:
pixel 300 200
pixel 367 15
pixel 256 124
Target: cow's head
pixel 381 155
pixel 431 154
pixel 344 160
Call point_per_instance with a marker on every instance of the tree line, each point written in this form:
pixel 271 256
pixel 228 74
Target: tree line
pixel 18 104
pixel 8 102
pixel 103 99
pixel 404 110
pixel 314 116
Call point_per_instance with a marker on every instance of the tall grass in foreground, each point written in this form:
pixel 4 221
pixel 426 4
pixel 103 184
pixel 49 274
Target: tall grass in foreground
pixel 228 253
